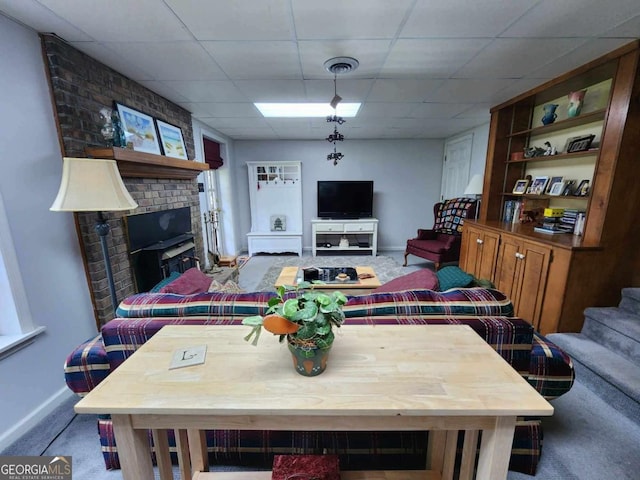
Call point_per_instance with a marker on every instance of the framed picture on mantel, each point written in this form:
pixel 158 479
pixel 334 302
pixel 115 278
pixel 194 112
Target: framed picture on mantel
pixel 139 130
pixel 171 140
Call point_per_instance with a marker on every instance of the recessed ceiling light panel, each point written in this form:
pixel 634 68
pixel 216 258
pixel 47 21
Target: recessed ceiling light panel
pixel 298 110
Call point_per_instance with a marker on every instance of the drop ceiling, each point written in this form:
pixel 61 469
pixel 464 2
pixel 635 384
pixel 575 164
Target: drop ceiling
pixel 428 69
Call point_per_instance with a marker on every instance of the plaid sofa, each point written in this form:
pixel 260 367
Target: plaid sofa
pixel 487 311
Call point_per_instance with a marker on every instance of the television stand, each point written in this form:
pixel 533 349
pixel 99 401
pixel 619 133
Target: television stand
pixel 361 233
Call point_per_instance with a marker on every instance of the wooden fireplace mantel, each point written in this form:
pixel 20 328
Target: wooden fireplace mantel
pixel 148 165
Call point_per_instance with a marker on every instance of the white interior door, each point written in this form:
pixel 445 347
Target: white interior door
pixel 457 162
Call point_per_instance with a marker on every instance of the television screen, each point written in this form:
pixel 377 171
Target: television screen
pixel 345 198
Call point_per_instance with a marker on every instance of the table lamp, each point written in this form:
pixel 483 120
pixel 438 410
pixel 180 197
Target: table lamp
pixel 94 185
pixel 475 188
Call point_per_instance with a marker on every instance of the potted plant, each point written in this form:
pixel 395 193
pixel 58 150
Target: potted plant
pixel 305 320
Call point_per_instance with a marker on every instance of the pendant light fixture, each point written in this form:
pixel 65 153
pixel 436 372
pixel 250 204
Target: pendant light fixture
pixel 337 66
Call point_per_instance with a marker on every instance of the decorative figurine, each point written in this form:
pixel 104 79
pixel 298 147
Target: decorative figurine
pixel 550 114
pixel 107 130
pixel 575 102
pixel 549 150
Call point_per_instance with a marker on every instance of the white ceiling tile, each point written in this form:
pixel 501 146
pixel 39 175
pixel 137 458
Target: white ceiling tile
pixel 169 60
pixel 207 91
pixel 233 109
pixel 516 57
pixel 462 18
pixel 478 111
pixel 272 91
pixel 588 51
pixel 235 122
pixel 163 90
pixel 250 60
pixel 369 53
pixel 42 19
pixel 110 58
pixel 262 20
pixel 628 29
pixel 435 58
pixel 385 109
pixel 468 90
pixel 122 20
pixel 573 18
pixel 351 90
pixel 402 90
pixel 439 110
pixel 331 19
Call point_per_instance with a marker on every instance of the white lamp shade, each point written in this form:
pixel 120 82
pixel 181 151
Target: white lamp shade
pixel 475 185
pixel 91 185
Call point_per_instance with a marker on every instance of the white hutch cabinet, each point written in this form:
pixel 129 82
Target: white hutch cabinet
pixel 275 195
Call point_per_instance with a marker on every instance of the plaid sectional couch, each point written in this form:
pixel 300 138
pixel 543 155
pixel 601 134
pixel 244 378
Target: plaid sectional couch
pixel 547 368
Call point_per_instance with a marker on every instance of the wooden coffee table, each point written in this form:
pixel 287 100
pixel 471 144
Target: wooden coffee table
pixel 442 378
pixel 289 276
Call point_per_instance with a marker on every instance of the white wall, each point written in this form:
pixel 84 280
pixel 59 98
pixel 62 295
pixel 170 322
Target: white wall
pixel 406 174
pixel 46 245
pixel 479 149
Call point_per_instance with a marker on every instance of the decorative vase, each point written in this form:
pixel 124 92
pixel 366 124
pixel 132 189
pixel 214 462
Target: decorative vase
pixel 308 360
pixel 575 102
pixel 550 114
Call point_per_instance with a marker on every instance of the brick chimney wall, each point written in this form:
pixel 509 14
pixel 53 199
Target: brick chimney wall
pixel 80 87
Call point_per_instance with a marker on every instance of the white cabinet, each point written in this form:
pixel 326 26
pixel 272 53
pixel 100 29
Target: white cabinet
pixel 275 196
pixel 345 235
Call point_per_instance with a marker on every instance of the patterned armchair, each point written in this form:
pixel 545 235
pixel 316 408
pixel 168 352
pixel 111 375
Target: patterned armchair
pixel 441 244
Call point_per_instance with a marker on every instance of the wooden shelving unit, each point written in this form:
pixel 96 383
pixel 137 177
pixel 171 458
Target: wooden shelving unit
pixel 148 165
pixel 552 278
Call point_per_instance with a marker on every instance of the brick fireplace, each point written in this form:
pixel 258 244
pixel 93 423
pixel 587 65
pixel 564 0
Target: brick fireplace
pixel 80 87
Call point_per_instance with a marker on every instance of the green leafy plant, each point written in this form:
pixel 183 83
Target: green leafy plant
pixel 307 319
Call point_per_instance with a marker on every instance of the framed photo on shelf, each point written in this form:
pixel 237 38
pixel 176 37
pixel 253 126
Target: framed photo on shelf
pixel 557 188
pixel 520 188
pixel 579 144
pixel 569 188
pixel 538 185
pixel 139 130
pixel 171 140
pixel 583 189
pixel 552 182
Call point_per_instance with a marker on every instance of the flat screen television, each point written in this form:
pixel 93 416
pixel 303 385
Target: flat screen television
pixel 345 198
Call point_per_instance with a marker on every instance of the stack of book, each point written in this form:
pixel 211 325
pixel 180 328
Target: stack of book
pixel 552 222
pixel 573 220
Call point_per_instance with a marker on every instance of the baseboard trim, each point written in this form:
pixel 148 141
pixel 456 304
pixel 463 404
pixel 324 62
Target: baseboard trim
pixel 36 416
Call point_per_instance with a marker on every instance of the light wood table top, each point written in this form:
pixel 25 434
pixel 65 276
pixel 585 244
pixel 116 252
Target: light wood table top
pixel 373 370
pixel 441 378
pixel 288 276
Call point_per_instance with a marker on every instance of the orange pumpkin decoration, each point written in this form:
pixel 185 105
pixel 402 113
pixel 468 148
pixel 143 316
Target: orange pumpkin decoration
pixel 279 325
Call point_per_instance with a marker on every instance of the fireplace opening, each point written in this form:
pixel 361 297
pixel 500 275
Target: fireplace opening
pixel 160 243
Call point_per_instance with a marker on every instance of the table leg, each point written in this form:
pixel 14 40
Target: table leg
pixel 182 449
pixel 435 449
pixel 198 450
pixel 469 449
pixel 163 459
pixel 449 460
pixel 495 449
pixel 133 449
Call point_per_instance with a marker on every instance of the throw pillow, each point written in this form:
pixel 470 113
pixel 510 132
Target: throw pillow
pixel 453 277
pixel 423 279
pixel 165 281
pixel 191 281
pixel 228 287
pixel 451 215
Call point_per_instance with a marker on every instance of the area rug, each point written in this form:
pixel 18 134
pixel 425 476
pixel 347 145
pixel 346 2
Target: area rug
pixel 386 268
pixel 242 260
